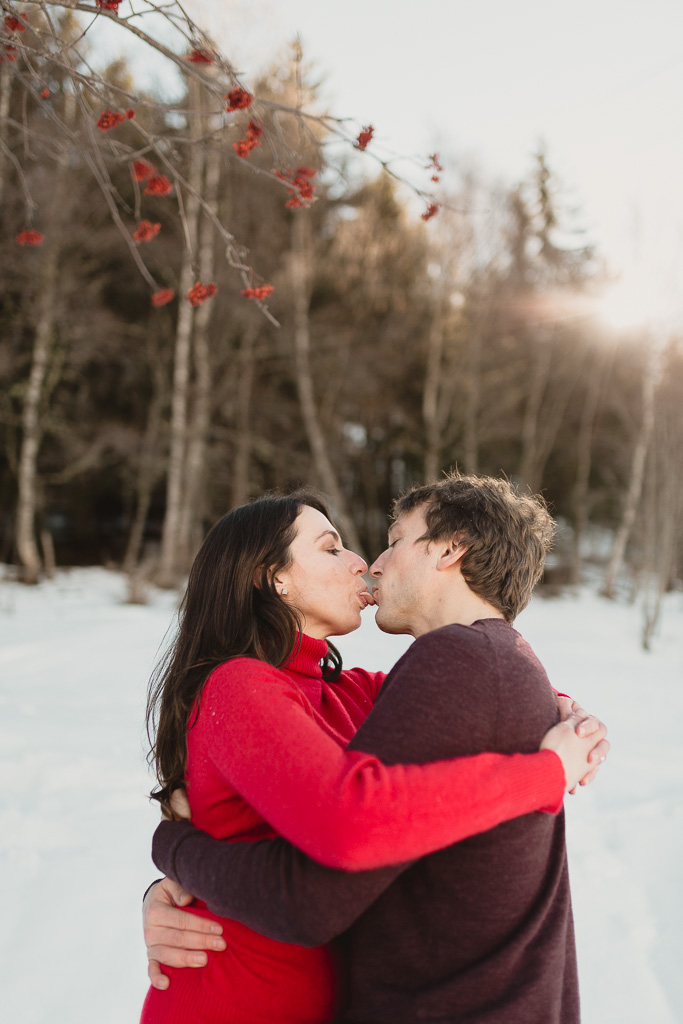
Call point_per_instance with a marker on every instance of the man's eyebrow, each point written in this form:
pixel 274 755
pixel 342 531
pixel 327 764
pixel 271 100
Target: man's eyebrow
pixel 330 533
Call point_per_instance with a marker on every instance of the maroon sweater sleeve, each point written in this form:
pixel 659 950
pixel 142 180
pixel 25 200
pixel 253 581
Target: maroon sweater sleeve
pixel 346 808
pixel 268 885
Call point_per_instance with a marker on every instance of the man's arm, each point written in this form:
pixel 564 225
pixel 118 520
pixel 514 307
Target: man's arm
pixel 268 885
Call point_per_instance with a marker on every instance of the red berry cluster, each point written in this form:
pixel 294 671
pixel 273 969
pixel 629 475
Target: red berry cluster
pixel 142 170
pixel 365 137
pixel 258 293
pixel 200 57
pixel 13 24
pixel 431 211
pixel 199 293
pixel 29 238
pixel 109 119
pixel 163 297
pixel 299 185
pixel 238 99
pixel 146 231
pixel 435 166
pixel 158 185
pixel 254 132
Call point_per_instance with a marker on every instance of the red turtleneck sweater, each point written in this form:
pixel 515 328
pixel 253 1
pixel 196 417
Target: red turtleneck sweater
pixel 266 757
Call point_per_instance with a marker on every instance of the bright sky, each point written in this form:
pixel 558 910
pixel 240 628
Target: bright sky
pixel 601 81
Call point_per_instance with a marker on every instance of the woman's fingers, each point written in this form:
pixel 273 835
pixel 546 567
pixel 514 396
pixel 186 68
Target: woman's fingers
pixel 156 975
pixel 596 757
pixel 586 724
pixel 180 805
pixel 599 752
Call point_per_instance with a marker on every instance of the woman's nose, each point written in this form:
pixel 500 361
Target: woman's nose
pixel 357 565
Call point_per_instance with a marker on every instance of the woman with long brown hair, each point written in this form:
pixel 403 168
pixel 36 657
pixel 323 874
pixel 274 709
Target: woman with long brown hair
pixel 251 711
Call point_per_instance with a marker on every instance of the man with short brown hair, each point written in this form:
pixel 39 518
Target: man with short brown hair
pixel 481 931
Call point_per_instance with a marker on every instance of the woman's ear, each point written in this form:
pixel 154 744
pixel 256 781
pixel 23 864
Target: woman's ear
pixel 280 584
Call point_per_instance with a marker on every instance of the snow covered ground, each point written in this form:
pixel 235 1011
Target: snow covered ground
pixel 75 825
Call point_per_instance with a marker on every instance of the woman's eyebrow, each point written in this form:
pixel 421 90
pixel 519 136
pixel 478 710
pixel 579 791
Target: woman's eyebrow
pixel 329 533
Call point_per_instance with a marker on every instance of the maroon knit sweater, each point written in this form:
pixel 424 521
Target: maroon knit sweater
pixel 479 932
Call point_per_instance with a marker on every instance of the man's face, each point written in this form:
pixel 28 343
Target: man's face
pixel 402 575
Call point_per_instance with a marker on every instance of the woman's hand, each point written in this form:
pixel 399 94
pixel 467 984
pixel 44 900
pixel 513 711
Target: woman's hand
pixel 173 937
pixel 579 741
pixel 180 807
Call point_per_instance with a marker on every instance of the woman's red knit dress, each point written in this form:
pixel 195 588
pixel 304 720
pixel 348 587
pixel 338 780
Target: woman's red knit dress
pixel 266 757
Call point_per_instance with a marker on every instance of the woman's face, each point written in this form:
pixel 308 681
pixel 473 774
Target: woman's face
pixel 324 582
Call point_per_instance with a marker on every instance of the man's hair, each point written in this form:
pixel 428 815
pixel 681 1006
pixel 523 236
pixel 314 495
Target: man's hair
pixel 507 534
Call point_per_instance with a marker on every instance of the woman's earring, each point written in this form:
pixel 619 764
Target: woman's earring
pixel 284 591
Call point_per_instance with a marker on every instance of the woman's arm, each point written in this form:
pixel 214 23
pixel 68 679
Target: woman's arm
pixel 347 809
pixel 369 682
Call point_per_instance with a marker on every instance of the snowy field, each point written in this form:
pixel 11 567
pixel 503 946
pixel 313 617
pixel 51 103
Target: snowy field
pixel 75 825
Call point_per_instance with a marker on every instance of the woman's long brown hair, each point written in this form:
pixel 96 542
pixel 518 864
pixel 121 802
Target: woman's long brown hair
pixel 230 609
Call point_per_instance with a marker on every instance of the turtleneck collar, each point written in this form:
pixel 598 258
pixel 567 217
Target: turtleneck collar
pixel 306 661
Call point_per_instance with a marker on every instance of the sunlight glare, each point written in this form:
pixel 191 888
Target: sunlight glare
pixel 636 301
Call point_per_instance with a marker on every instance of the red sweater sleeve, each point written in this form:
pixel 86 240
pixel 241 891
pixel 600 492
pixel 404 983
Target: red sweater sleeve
pixel 369 682
pixel 344 808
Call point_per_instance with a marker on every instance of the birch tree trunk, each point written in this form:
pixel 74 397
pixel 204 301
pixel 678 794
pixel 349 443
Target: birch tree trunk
pixel 170 566
pixel 438 392
pixel 430 397
pixel 193 502
pixel 240 476
pixel 27 481
pixel 5 93
pixel 528 469
pixel 148 469
pixel 635 486
pixel 584 445
pixel 663 503
pixel 472 402
pixel 27 548
pixel 301 276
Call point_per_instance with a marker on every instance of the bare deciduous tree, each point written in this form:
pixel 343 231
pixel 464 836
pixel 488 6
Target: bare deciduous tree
pixel 637 473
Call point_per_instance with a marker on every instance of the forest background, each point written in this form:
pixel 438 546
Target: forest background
pixel 364 333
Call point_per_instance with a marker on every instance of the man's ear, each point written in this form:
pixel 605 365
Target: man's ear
pixel 451 553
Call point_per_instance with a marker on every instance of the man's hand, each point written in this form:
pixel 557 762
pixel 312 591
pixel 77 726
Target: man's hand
pixel 172 936
pixel 579 741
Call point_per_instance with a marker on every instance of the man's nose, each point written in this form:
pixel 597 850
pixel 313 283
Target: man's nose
pixel 376 568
